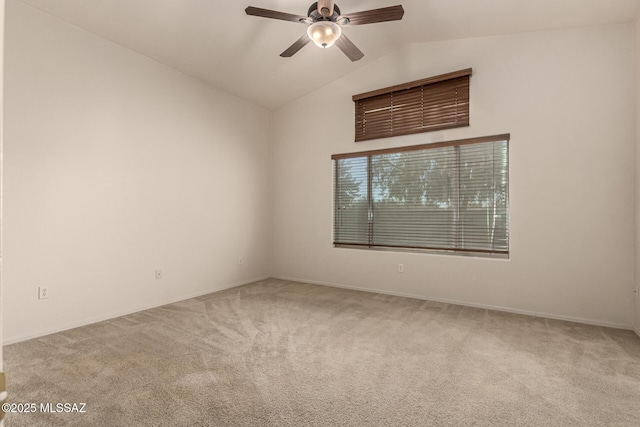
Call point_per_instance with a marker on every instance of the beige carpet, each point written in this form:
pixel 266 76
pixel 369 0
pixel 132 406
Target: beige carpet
pixel 277 353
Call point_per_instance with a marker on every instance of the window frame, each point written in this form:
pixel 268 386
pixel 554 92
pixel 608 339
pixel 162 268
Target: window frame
pixel 407 248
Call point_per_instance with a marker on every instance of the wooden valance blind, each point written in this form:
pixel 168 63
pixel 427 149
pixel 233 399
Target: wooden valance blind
pixel 426 105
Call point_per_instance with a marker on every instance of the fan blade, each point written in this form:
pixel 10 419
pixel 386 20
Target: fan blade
pixel 327 5
pixel 391 13
pixel 299 44
pixel 266 13
pixel 349 49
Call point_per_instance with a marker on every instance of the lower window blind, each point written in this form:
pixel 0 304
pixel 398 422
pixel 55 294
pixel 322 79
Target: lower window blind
pixel 448 196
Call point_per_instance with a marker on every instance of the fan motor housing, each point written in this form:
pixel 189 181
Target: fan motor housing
pixel 315 15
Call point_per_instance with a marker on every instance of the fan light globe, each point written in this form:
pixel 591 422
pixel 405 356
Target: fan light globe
pixel 324 33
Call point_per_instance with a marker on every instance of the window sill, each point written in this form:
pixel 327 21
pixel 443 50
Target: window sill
pixel 449 252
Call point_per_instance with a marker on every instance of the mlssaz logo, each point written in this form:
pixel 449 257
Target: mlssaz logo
pixel 64 407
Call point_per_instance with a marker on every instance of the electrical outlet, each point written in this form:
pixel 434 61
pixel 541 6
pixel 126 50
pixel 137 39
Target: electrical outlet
pixel 400 268
pixel 43 292
pixel 240 261
pixel 158 274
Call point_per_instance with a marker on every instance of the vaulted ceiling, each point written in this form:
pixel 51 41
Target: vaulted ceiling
pixel 215 41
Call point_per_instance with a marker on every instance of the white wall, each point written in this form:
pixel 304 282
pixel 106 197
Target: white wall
pixel 116 166
pixel 637 248
pixel 2 5
pixel 564 97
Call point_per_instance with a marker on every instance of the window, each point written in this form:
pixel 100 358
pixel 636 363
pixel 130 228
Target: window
pixel 451 196
pixel 435 103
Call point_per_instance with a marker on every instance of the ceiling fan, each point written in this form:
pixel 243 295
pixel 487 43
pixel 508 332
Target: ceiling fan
pixel 325 23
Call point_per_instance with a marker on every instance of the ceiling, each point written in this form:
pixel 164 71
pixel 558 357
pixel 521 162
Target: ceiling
pixel 214 41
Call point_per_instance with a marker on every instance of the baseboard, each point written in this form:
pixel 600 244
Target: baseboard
pixel 113 315
pixel 467 304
